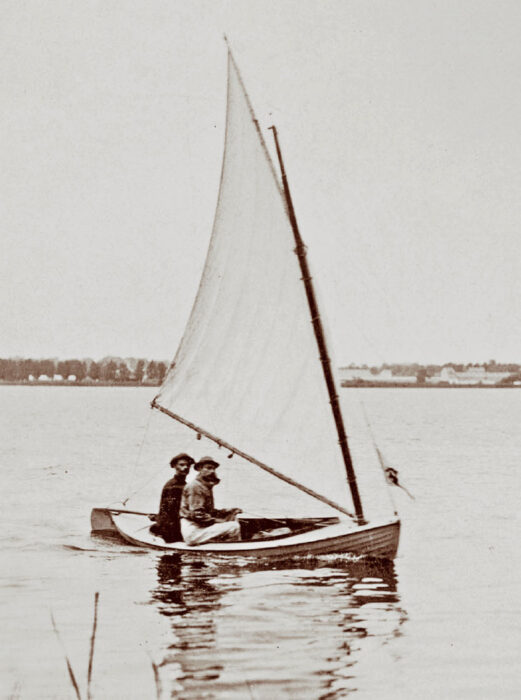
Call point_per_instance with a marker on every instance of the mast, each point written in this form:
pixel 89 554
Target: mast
pixel 300 251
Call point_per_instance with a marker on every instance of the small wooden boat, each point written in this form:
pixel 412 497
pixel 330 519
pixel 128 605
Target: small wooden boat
pixel 301 539
pixel 252 373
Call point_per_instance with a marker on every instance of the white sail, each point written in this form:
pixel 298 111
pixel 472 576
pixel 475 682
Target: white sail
pixel 247 369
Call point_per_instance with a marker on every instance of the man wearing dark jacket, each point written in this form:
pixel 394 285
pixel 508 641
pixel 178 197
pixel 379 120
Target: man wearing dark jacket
pixel 200 520
pixel 167 522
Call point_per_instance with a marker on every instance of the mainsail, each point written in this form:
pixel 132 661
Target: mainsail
pixel 247 370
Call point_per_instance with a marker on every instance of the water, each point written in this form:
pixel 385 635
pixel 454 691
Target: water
pixel 442 621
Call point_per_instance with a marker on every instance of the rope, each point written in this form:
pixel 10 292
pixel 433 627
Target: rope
pixel 380 457
pixel 137 462
pixel 390 474
pixel 143 485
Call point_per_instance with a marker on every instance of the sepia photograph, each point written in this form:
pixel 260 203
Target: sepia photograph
pixel 260 349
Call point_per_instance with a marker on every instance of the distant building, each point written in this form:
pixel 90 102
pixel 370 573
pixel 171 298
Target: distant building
pixel 472 376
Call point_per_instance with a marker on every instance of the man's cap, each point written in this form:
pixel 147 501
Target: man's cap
pixel 180 456
pixel 205 460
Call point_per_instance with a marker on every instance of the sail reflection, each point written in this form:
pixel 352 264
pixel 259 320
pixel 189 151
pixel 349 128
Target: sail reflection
pixel 299 629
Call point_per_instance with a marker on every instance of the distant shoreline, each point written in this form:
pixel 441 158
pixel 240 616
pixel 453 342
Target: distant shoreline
pixel 358 385
pixel 78 384
pixel 397 385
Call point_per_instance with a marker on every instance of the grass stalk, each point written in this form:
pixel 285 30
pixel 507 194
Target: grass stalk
pixel 69 666
pixel 157 679
pixel 92 643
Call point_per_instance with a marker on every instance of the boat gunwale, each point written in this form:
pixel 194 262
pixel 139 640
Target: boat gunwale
pixel 266 548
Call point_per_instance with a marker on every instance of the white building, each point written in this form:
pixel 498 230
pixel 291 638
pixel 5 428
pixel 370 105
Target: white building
pixel 471 376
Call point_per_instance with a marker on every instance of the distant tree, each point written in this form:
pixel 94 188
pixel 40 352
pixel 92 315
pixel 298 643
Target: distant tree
pixel 123 373
pixel 13 370
pixel 64 368
pixel 94 371
pixel 47 367
pixel 433 369
pixel 506 381
pixel 140 371
pixel 161 371
pixel 78 369
pixel 108 371
pixel 421 374
pixel 26 368
pixel 152 371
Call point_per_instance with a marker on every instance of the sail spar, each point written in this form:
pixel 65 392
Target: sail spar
pixel 247 369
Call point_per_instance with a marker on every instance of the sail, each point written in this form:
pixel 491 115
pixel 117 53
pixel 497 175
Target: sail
pixel 247 369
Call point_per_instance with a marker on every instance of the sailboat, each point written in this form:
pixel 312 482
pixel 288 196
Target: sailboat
pixel 252 373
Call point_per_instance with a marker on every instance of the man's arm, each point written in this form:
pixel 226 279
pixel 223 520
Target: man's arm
pixel 199 509
pixel 226 513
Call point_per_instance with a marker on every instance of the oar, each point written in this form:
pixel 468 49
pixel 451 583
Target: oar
pixel 130 512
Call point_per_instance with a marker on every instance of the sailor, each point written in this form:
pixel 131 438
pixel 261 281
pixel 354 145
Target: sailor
pixel 200 520
pixel 167 521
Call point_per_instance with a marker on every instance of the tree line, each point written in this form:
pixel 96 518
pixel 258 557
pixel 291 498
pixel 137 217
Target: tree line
pixel 112 370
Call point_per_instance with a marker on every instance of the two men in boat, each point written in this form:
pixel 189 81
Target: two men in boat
pixel 187 512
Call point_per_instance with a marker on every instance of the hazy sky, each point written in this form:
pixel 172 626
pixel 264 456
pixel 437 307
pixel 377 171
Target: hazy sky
pixel 399 121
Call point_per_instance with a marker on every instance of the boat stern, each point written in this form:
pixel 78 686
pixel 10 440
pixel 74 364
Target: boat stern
pixel 101 520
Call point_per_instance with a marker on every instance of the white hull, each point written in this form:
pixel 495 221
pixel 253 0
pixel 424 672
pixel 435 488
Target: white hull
pixel 375 539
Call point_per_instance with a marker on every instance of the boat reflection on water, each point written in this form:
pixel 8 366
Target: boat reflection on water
pixel 186 594
pixel 295 630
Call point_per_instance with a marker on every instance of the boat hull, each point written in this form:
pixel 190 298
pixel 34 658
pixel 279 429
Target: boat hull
pixel 375 540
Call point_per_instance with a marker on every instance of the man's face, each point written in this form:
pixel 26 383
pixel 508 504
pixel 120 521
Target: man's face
pixel 207 469
pixel 182 467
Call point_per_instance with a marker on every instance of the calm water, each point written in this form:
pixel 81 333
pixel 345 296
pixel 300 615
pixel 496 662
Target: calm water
pixel 443 621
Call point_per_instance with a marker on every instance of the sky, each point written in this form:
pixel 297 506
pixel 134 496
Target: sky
pixel 399 123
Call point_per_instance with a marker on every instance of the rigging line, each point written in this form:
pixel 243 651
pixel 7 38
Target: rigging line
pixel 142 485
pixel 381 460
pixel 248 458
pixel 137 462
